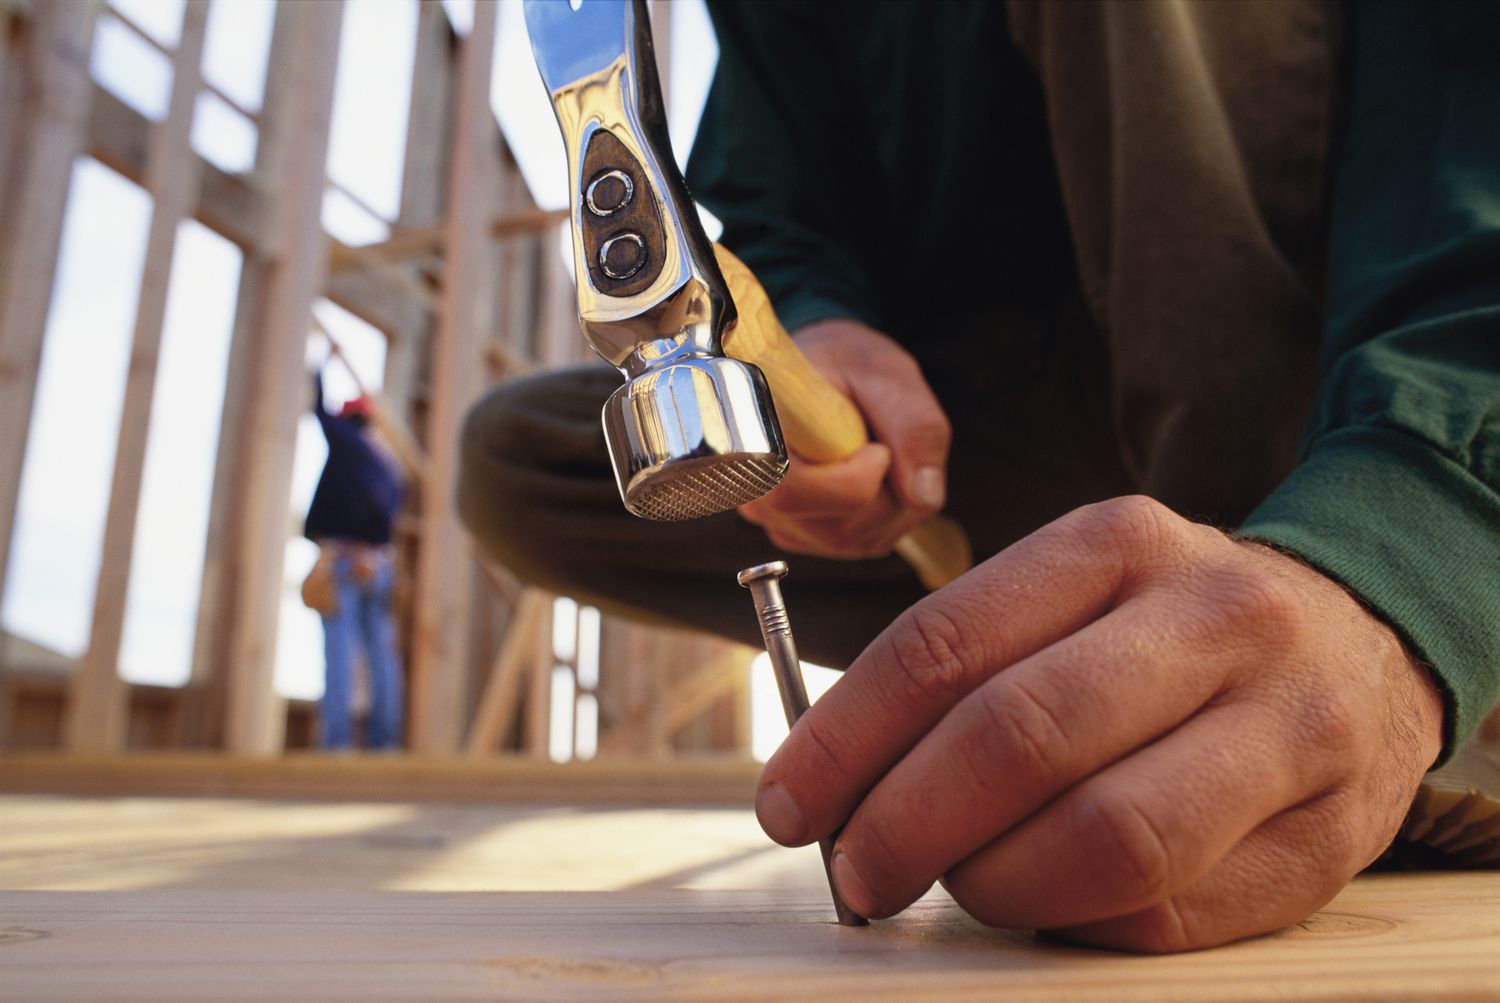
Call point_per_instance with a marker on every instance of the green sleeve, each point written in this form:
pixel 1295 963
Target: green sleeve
pixel 792 218
pixel 1397 494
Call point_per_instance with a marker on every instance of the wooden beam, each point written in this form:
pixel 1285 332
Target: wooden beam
pixel 12 86
pixel 441 601
pixel 536 724
pixel 696 692
pixel 430 239
pixel 298 110
pixel 632 690
pixel 660 12
pixel 96 696
pixel 559 339
pixel 55 122
pixel 135 29
pixel 234 207
pixel 496 779
pixel 378 301
pixel 363 258
pixel 495 717
pixel 229 204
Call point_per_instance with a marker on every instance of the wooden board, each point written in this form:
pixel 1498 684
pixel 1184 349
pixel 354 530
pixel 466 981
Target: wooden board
pixel 510 779
pixel 97 703
pixel 440 600
pixel 298 109
pixel 54 121
pixel 1410 937
pixel 237 900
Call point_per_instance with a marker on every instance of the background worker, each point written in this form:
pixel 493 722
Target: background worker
pixel 353 507
pixel 1101 278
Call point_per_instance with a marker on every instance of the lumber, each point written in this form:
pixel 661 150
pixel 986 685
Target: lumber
pixel 441 598
pixel 1427 938
pixel 496 779
pixel 424 180
pixel 10 113
pixel 417 241
pixel 495 716
pixel 720 674
pixel 298 107
pixel 536 715
pixel 129 24
pixel 96 696
pixel 54 114
pixel 235 207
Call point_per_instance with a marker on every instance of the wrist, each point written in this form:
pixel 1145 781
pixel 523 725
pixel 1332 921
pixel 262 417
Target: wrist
pixel 1416 694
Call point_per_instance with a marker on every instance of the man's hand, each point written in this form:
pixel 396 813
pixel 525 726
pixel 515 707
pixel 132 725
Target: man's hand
pixel 1126 728
pixel 861 506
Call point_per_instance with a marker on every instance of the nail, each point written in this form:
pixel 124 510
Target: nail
pixel 779 815
pixel 851 889
pixel 927 487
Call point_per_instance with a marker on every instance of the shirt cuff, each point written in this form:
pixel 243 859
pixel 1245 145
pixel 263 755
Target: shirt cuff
pixel 1417 538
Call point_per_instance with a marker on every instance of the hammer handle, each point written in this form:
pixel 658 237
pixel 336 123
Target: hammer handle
pixel 819 423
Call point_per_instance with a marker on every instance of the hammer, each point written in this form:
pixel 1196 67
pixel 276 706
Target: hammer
pixel 694 429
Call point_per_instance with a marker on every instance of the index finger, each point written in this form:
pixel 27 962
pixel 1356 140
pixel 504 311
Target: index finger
pixel 1029 596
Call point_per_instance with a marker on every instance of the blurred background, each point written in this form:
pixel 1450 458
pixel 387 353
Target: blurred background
pixel 200 204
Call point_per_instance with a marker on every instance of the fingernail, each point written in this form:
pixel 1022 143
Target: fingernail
pixel 851 889
pixel 779 816
pixel 927 488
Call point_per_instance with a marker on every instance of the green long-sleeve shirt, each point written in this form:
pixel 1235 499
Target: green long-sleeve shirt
pixel 1397 493
pixel 871 160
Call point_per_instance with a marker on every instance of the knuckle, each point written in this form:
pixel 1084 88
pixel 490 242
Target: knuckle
pixel 1133 859
pixel 1131 525
pixel 1330 719
pixel 1263 600
pixel 929 654
pixel 1021 732
pixel 827 745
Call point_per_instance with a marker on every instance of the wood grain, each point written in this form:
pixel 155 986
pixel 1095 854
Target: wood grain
pixel 1393 938
pixel 214 899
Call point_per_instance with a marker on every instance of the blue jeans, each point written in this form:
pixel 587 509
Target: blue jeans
pixel 363 620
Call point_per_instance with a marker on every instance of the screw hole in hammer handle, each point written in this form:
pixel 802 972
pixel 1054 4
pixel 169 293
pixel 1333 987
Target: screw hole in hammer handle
pixel 818 421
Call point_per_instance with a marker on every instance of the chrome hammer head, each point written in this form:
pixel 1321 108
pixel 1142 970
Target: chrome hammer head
pixel 691 432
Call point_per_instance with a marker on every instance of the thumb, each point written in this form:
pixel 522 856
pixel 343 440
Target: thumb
pixel 904 413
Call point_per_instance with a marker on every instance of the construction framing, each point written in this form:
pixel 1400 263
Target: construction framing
pixel 468 289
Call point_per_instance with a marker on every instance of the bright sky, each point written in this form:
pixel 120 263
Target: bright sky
pixel 65 484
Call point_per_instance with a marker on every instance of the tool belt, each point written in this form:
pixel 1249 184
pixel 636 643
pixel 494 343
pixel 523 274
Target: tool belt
pixel 320 589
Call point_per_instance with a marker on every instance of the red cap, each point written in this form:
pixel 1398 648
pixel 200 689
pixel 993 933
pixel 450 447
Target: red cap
pixel 359 406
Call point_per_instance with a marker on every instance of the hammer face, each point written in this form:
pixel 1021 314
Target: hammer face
pixel 694 437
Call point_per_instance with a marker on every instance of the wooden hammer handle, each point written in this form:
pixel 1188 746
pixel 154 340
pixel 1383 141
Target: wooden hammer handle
pixel 819 423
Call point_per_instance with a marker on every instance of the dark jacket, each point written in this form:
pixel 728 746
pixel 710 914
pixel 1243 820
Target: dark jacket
pixel 1284 219
pixel 360 491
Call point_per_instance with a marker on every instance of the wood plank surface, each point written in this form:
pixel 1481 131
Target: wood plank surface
pixel 1409 937
pixel 512 779
pixel 211 899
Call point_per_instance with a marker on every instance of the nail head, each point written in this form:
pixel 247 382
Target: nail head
pixel 761 572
